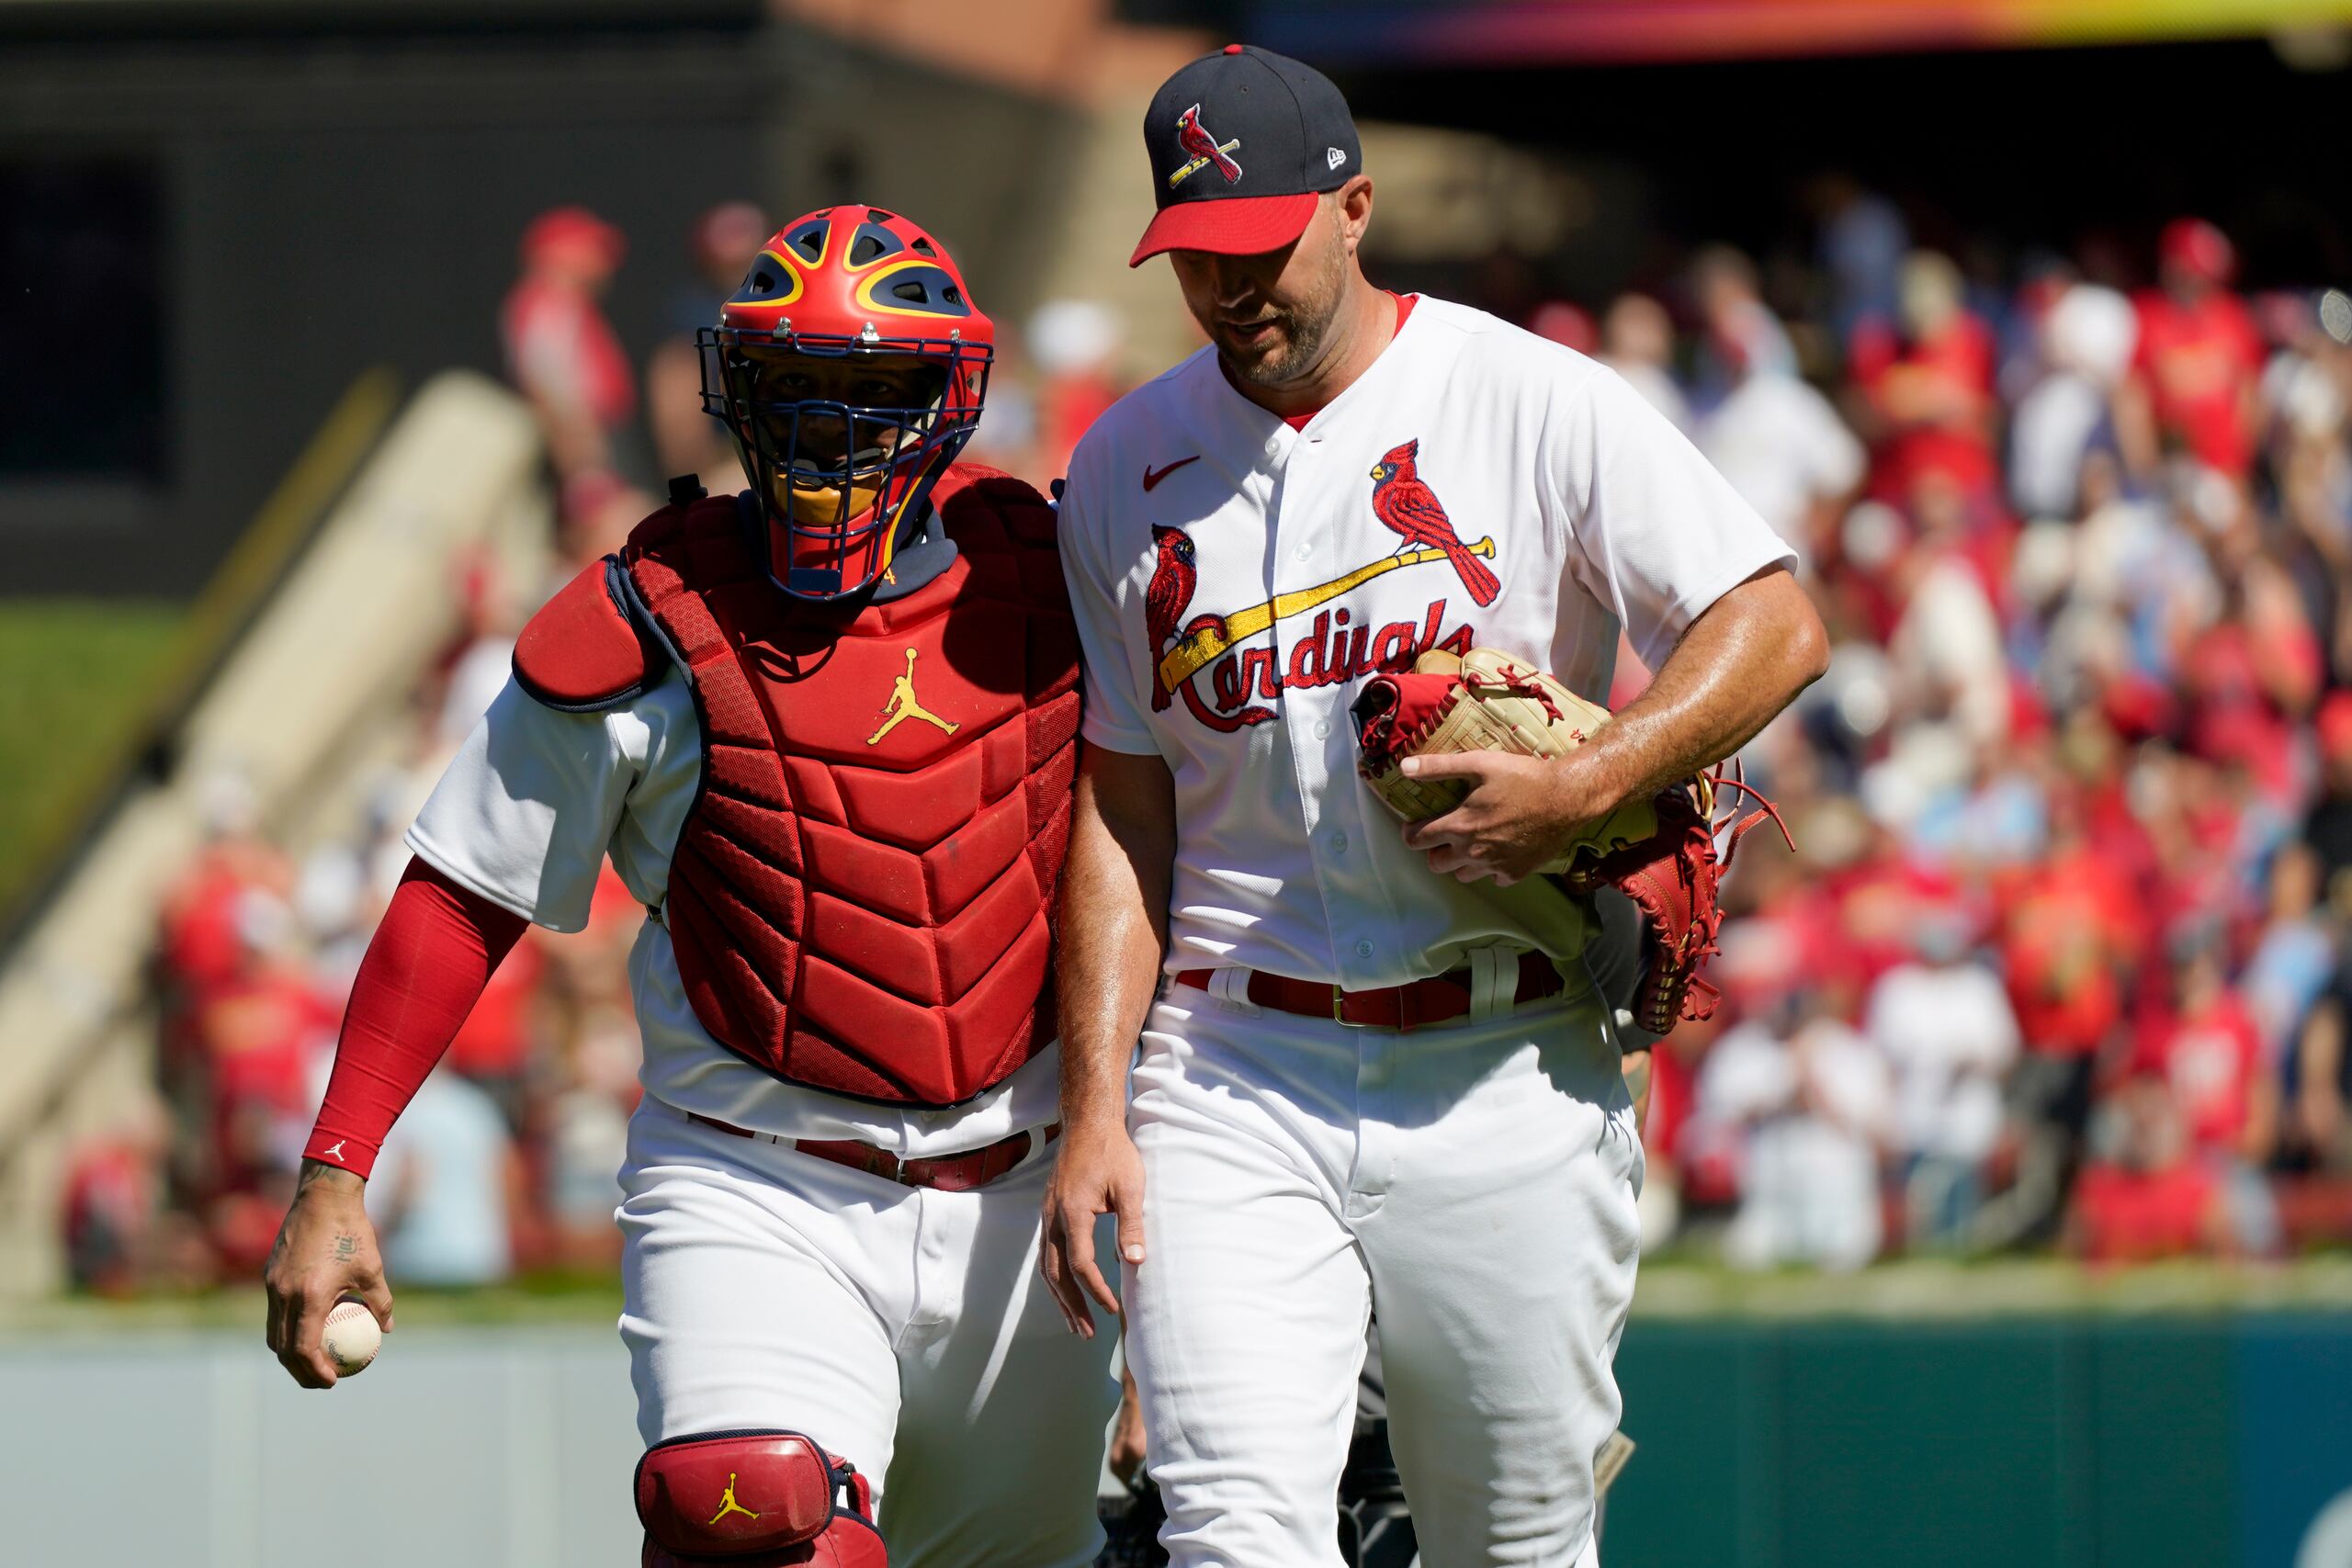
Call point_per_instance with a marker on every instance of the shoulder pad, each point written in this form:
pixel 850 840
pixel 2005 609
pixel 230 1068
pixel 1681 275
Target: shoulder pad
pixel 969 491
pixel 700 517
pixel 584 650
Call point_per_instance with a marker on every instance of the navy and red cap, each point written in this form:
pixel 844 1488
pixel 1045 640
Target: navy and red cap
pixel 1242 141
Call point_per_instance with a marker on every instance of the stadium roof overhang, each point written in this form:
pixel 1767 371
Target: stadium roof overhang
pixel 1526 32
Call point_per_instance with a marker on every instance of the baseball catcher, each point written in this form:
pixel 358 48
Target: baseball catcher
pixel 825 729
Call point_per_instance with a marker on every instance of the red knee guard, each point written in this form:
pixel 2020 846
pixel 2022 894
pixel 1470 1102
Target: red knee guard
pixel 754 1500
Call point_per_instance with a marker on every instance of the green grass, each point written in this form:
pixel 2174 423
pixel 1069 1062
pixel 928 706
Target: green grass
pixel 529 1304
pixel 1916 1289
pixel 79 675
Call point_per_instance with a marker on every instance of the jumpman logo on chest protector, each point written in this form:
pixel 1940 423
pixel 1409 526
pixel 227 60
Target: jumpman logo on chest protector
pixel 904 705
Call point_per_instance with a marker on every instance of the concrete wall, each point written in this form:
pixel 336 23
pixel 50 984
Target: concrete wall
pixel 456 1449
pixel 330 202
pixel 333 204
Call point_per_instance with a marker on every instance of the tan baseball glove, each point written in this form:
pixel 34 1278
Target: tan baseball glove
pixel 1659 850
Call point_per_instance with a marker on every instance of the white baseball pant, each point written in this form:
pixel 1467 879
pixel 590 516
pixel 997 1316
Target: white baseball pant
pixel 1476 1183
pixel 906 1330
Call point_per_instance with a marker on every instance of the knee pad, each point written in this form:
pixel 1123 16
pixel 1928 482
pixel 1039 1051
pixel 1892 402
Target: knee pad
pixel 765 1499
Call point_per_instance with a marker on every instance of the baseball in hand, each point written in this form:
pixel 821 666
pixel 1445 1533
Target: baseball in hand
pixel 352 1337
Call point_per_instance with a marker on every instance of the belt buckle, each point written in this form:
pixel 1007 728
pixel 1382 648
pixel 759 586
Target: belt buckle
pixel 1340 1008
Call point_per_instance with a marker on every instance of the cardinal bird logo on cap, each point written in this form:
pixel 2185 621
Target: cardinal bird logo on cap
pixel 1401 499
pixel 1200 149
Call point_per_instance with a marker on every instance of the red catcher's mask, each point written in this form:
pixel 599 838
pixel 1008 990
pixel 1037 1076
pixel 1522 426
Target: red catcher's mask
pixel 851 366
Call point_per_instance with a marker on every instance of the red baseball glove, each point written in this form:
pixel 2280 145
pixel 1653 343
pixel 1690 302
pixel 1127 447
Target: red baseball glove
pixel 1660 851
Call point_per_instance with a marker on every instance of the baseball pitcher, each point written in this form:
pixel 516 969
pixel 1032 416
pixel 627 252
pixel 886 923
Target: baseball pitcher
pixel 1374 1069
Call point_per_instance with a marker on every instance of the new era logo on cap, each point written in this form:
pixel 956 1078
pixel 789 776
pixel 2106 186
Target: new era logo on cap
pixel 1241 144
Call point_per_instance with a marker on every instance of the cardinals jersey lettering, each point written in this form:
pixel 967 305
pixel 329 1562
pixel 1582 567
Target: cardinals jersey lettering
pixel 1476 486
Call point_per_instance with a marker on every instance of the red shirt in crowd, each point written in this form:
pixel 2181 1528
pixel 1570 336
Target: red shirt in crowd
pixel 2125 1215
pixel 2069 925
pixel 112 1192
pixel 560 346
pixel 202 941
pixel 1879 904
pixel 2210 1058
pixel 2200 359
pixel 258 1031
pixel 1672 1084
pixel 1952 371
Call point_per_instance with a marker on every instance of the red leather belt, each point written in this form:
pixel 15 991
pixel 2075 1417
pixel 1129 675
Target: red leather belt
pixel 1438 999
pixel 948 1173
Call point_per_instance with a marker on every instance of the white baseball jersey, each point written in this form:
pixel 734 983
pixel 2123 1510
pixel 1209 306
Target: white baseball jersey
pixel 528 809
pixel 1234 579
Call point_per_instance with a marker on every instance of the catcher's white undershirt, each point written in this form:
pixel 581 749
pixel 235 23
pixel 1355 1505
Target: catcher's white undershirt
pixel 1591 510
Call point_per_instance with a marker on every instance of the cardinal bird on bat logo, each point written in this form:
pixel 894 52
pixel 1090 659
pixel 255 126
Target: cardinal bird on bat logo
pixel 1230 669
pixel 1174 575
pixel 1403 499
pixel 1200 149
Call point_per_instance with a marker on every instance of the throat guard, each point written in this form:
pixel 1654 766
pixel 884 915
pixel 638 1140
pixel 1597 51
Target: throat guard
pixel 862 893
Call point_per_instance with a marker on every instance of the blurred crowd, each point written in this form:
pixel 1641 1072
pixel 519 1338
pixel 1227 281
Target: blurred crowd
pixel 506 1160
pixel 2061 958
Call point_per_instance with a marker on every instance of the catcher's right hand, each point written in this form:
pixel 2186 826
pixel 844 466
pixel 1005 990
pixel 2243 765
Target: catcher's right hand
pixel 325 1250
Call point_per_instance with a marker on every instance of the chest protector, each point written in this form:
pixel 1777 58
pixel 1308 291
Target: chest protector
pixel 861 895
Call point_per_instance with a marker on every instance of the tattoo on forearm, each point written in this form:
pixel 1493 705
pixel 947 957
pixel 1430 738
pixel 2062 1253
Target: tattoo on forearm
pixel 346 1246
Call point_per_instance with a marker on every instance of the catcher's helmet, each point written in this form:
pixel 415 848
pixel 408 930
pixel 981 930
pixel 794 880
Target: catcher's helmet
pixel 839 462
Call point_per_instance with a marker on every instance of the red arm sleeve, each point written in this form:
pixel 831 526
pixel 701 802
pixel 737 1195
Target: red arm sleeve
pixel 424 970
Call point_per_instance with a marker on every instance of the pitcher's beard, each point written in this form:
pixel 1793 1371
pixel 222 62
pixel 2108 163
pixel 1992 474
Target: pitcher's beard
pixel 1302 347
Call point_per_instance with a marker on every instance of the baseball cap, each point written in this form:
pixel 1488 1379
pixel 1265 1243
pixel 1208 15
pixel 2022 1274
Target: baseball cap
pixel 1241 144
pixel 562 229
pixel 2203 251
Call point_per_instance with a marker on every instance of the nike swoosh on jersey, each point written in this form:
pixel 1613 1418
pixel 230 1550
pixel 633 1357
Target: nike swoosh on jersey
pixel 1152 477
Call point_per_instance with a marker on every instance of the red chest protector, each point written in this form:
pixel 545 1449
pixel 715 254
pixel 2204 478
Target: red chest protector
pixel 861 892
